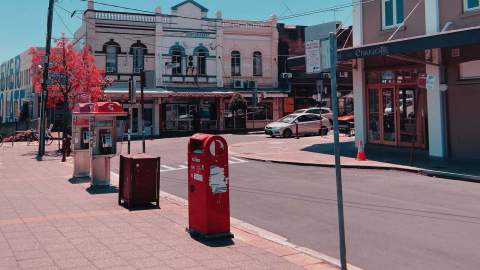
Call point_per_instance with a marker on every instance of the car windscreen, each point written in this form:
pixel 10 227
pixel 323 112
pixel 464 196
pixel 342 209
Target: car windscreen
pixel 287 119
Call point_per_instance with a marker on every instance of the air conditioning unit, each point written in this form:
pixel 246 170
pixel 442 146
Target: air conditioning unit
pixel 343 74
pixel 237 84
pixel 137 70
pixel 251 84
pixel 191 65
pixel 190 61
pixel 286 75
pixel 110 70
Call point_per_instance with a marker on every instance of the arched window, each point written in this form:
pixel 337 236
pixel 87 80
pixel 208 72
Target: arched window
pixel 177 52
pixel 201 53
pixel 236 65
pixel 257 64
pixel 138 51
pixel 111 50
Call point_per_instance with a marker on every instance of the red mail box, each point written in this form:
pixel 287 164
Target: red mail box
pixel 208 187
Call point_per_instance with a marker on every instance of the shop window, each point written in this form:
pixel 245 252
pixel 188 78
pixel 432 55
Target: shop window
pixel 257 64
pixel 392 13
pixel 469 70
pixel 263 111
pixel 469 5
pixel 236 64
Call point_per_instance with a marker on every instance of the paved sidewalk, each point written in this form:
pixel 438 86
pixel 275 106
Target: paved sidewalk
pixel 318 151
pixel 48 222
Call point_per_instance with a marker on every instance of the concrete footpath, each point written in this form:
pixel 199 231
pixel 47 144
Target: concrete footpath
pixel 318 151
pixel 49 221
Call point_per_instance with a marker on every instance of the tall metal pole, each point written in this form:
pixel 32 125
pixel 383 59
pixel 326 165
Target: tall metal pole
pixel 336 149
pixel 130 116
pixel 142 85
pixel 44 94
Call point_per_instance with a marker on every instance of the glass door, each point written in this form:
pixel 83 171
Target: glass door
pixel 407 102
pixel 411 117
pixel 388 110
pixel 373 115
pixel 184 117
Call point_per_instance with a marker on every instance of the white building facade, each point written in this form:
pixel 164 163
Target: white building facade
pixel 192 62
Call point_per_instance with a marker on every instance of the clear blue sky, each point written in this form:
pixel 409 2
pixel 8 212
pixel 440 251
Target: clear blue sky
pixel 24 21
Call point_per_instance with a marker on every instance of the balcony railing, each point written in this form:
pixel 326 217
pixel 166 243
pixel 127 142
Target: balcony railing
pixel 117 16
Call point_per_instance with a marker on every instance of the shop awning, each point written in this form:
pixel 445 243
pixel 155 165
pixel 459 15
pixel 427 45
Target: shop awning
pixel 447 39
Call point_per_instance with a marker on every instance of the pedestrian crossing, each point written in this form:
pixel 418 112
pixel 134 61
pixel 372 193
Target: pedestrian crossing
pixel 170 168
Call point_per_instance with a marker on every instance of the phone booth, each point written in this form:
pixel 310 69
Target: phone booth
pixel 80 136
pixel 101 139
pixel 208 187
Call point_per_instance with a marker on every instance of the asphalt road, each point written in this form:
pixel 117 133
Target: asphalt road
pixel 394 220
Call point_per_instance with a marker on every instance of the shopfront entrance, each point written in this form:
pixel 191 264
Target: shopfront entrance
pixel 181 114
pixel 396 110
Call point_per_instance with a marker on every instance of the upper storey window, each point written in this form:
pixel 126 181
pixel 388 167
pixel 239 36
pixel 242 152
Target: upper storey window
pixel 471 5
pixel 392 13
pixel 138 50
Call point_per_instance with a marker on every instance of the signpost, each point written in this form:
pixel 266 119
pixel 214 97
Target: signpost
pixel 336 150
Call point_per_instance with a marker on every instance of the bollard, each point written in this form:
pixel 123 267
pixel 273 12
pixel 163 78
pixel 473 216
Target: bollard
pixel 296 130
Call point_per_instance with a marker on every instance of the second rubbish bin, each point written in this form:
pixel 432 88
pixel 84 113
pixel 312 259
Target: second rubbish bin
pixel 139 180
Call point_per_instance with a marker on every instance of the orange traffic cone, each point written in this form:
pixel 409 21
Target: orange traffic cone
pixel 361 152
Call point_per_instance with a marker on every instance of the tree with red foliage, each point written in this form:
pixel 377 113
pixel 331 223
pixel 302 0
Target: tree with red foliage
pixel 72 77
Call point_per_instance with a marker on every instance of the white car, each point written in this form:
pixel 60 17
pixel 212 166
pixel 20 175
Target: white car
pixel 323 111
pixel 308 123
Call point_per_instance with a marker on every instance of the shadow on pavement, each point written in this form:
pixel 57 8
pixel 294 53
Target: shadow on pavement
pixel 221 242
pixel 400 156
pixel 143 207
pixel 79 180
pixel 96 190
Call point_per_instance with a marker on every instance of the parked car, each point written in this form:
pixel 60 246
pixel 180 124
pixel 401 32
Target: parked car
pixel 308 123
pixel 323 111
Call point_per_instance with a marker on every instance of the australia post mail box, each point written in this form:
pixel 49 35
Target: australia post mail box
pixel 208 187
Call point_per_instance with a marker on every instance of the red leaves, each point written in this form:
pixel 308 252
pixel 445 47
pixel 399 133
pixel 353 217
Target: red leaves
pixel 72 74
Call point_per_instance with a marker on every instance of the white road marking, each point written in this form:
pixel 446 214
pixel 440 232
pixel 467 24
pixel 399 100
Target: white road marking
pixel 234 160
pixel 166 168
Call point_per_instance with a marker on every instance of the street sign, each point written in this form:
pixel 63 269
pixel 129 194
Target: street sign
pixel 430 84
pixel 313 58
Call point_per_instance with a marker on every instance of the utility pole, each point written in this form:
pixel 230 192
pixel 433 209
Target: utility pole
pixel 131 93
pixel 142 105
pixel 44 95
pixel 336 149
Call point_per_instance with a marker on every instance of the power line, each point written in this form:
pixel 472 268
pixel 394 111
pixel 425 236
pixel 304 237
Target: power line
pixel 329 9
pixel 287 17
pixel 63 22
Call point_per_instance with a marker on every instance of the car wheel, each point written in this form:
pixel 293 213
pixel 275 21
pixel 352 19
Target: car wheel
pixel 287 133
pixel 331 122
pixel 323 131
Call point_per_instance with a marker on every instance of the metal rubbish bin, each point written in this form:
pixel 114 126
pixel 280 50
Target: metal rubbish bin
pixel 139 180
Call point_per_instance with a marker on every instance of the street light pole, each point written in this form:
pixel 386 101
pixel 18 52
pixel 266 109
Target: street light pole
pixel 142 105
pixel 44 94
pixel 336 149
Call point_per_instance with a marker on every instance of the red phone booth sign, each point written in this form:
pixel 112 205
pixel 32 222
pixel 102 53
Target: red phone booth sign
pixel 208 187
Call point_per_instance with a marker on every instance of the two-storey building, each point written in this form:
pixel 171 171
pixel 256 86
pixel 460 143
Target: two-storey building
pixel 16 90
pixel 193 64
pixel 416 71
